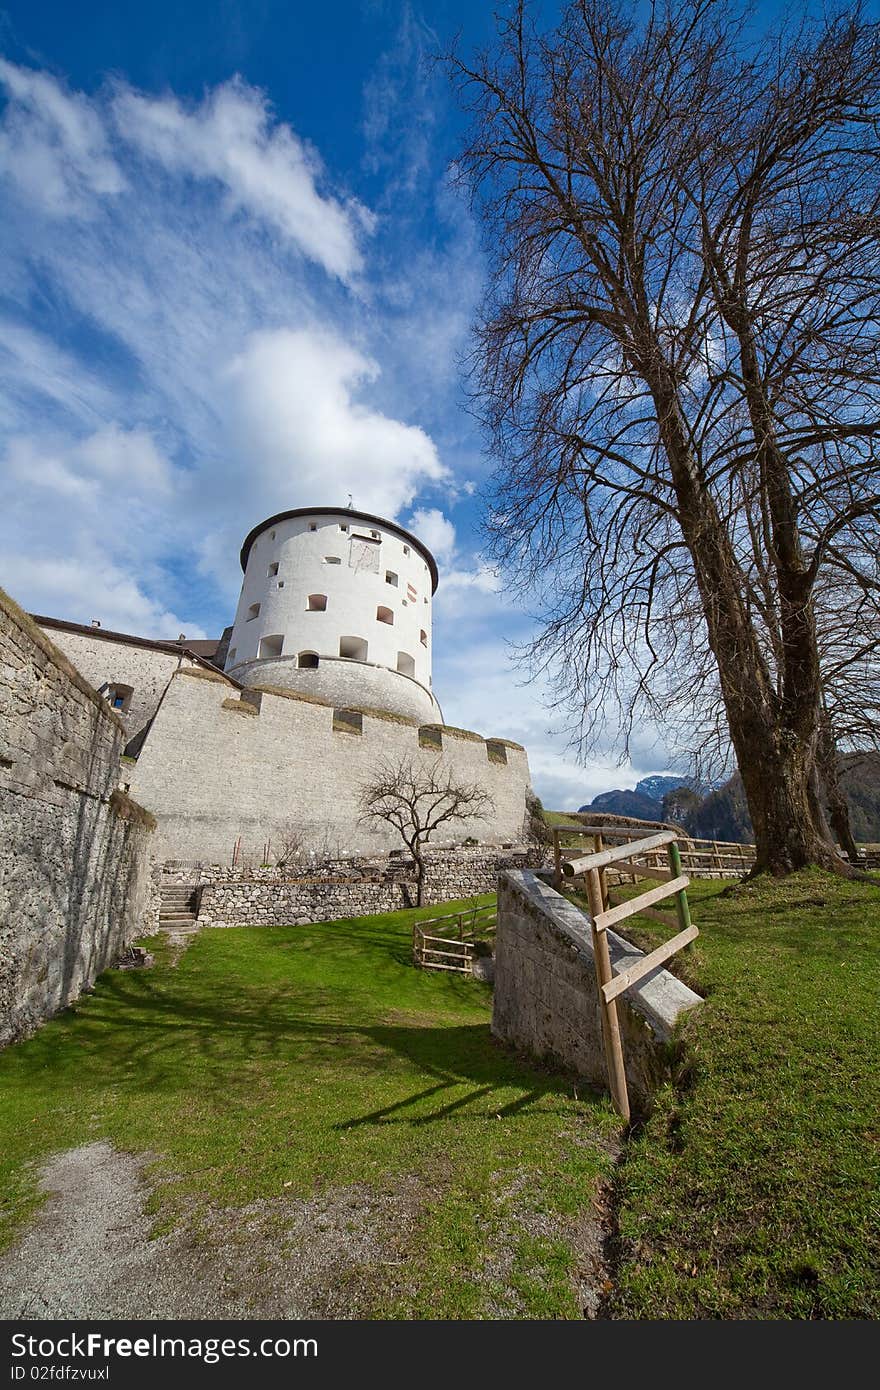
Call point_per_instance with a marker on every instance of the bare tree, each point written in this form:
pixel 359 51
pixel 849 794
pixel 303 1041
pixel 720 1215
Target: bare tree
pixel 679 364
pixel 417 799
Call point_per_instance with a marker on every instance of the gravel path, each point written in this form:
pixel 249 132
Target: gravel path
pixel 88 1252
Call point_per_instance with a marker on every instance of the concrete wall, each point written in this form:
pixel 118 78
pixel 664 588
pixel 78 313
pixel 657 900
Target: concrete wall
pixel 546 1000
pixel 355 587
pixel 103 662
pixel 215 767
pixel 74 880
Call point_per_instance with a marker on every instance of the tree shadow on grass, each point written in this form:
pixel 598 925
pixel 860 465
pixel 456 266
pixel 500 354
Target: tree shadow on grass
pixel 138 1032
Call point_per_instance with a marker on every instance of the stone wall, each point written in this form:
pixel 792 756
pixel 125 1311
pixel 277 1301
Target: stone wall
pixel 221 765
pixel 351 888
pixel 74 880
pixel 546 1000
pixel 104 660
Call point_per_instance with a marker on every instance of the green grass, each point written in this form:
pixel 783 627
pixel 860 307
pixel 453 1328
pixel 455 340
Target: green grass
pixel 282 1061
pixel 752 1190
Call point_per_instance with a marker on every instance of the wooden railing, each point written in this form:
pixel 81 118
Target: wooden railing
pixel 635 859
pixel 449 942
pixel 701 858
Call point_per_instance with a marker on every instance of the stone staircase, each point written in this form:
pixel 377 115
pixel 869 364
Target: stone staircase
pixel 178 908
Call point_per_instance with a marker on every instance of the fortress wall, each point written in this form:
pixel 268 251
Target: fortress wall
pixel 105 662
pixel 214 768
pixel 74 880
pixel 345 682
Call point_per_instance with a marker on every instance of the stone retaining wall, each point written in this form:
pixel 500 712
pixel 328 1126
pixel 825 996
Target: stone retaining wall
pixel 546 1000
pixel 75 886
pixel 343 888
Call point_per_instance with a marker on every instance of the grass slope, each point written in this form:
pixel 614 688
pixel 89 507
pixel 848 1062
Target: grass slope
pixel 294 1060
pixel 752 1190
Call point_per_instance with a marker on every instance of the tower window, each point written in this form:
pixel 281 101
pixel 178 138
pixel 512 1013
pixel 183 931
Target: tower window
pixel 253 611
pixel 343 526
pixel 406 550
pixel 406 664
pixel 271 535
pixel 272 570
pixel 313 525
pixel 384 615
pixel 375 535
pixel 317 603
pixel 423 637
pixel 307 661
pixel 271 646
pixel 355 648
pixel 332 560
pixel 391 578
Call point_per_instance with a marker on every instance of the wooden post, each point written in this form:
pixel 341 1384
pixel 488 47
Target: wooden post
pixel 557 860
pixel 599 845
pixel 681 898
pixel 610 1023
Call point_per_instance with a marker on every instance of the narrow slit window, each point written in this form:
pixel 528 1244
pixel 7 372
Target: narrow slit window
pixel 423 637
pixel 317 603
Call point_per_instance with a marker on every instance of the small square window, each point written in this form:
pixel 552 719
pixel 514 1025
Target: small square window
pixel 375 535
pixel 281 583
pixel 313 525
pixel 406 550
pixel 342 526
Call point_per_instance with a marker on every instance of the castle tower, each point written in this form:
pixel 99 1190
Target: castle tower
pixel 337 604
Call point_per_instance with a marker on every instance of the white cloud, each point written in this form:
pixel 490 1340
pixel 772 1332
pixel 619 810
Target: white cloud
pixel 52 143
pixel 93 587
pixel 295 400
pixel 436 530
pixel 267 171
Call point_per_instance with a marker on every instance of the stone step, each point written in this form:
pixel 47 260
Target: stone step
pixel 176 919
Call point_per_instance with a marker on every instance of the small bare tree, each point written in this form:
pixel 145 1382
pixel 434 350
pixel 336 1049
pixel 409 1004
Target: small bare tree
pixel 417 800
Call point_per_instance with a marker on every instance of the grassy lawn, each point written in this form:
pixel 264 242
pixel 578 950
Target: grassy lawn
pixel 752 1190
pixel 293 1060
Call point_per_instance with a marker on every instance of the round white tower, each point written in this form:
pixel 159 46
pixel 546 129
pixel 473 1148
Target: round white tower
pixel 337 604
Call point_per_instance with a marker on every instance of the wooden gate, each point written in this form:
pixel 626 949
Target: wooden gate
pixel 450 942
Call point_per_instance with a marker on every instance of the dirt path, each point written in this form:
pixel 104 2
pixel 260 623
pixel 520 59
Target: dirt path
pixel 88 1253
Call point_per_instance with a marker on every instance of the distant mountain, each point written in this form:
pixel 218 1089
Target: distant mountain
pixel 658 787
pixel 721 812
pixel 626 803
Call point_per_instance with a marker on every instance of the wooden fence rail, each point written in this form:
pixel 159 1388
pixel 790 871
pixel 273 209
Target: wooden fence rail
pixel 701 858
pixel 607 910
pixel 449 942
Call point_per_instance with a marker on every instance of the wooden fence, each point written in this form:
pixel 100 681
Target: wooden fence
pixel 637 859
pixel 450 942
pixel 701 858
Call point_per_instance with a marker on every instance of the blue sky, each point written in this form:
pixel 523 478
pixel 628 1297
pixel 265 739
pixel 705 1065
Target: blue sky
pixel 235 277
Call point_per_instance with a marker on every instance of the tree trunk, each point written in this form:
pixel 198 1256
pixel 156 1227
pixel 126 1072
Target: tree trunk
pixel 838 809
pixel 420 874
pixel 774 739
